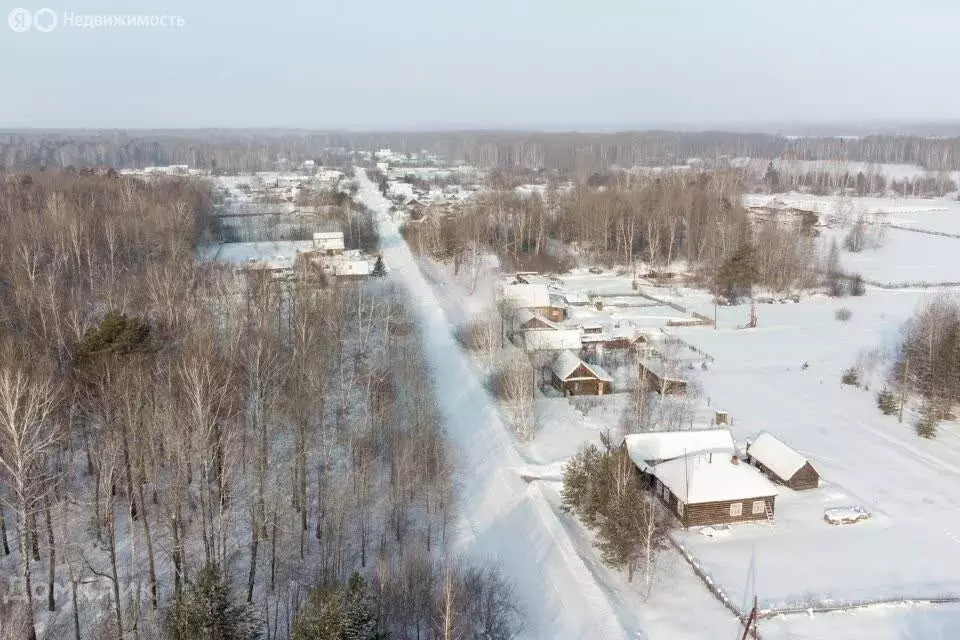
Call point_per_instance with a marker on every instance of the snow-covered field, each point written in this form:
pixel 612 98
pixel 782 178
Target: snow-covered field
pixel 911 250
pixel 908 549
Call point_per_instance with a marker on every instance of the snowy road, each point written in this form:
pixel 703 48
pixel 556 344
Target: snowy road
pixel 502 518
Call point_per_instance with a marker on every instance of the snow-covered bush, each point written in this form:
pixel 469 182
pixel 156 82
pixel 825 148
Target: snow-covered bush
pixel 843 314
pixel 851 377
pixel 887 402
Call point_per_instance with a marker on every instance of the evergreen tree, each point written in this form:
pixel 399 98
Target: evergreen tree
pixel 739 273
pixel 205 611
pixel 887 402
pixel 379 269
pixel 857 287
pixel 772 178
pixel 926 426
pixel 347 612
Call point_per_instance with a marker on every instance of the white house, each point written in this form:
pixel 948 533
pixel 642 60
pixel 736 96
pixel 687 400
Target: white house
pixel 329 242
pixel 561 340
pixel 353 269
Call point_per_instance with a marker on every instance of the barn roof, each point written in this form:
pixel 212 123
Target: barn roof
pixel 552 340
pixel 527 295
pixel 645 449
pixel 706 477
pixel 776 456
pixel 567 362
pixel 524 316
pixel 659 369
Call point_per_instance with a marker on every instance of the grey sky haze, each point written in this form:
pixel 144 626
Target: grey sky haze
pixel 429 64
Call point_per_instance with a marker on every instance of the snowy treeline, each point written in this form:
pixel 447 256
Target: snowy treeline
pixel 176 438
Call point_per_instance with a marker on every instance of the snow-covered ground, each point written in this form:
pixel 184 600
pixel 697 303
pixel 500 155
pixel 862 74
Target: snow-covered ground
pixel 904 256
pixel 565 591
pixel 909 548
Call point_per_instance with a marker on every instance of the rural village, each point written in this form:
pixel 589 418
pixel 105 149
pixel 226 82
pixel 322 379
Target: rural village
pixel 655 428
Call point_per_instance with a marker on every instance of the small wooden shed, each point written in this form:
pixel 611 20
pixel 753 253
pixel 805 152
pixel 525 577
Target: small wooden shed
pixel 574 377
pixel 782 464
pixel 660 380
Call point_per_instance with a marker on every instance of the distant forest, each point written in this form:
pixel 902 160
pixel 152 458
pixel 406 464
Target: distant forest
pixel 572 153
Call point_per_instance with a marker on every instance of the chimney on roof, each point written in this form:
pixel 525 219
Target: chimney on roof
pixel 734 460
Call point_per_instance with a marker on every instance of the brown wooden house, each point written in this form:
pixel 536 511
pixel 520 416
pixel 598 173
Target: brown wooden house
pixel 574 377
pixel 529 321
pixel 782 464
pixel 713 488
pixel 655 373
pixel 535 298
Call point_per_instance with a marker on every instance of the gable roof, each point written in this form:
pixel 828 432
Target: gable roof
pixel 659 369
pixel 524 316
pixel 649 448
pixel 527 295
pixel 567 362
pixel 558 340
pixel 776 456
pixel 706 477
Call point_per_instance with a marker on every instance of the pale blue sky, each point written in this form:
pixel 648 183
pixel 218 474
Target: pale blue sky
pixel 426 64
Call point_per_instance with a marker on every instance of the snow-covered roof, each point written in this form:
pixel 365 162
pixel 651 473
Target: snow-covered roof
pixel 652 447
pixel 525 315
pixel 567 362
pixel 576 297
pixel 552 340
pixel 527 295
pixel 659 369
pixel 712 477
pixel 776 456
pixel 329 240
pixel 353 268
pixel 534 278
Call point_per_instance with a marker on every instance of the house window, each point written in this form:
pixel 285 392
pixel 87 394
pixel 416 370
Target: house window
pixel 659 486
pixel 736 509
pixel 759 506
pixel 680 508
pixel 666 493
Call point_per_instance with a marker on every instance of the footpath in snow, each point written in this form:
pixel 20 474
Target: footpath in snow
pixel 502 518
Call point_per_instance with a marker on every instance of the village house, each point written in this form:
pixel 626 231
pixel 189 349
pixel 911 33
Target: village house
pixel 535 298
pixel 529 321
pixel 541 334
pixel 573 377
pixel 648 449
pixel 713 488
pixel 352 269
pixel 782 464
pixel 657 378
pixel 329 243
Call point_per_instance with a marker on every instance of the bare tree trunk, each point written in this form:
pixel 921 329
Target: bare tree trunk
pixel 254 546
pixel 151 562
pixel 26 573
pixel 3 532
pixel 52 571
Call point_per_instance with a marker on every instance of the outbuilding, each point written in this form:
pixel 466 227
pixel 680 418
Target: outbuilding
pixel 781 463
pixel 574 377
pixel 658 378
